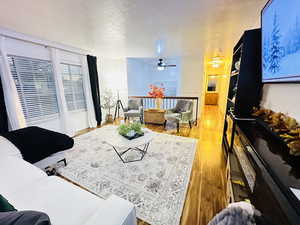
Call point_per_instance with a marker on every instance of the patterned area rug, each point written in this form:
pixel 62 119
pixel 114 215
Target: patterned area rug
pixel 156 185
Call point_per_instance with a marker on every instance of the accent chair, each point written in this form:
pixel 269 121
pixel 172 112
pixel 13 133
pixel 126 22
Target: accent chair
pixel 134 109
pixel 182 113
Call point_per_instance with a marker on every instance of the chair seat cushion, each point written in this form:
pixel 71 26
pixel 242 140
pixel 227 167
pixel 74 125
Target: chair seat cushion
pixel 36 143
pixel 172 117
pixel 132 113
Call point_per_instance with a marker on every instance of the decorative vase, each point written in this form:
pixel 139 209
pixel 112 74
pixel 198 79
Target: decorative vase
pixel 158 103
pixel 109 118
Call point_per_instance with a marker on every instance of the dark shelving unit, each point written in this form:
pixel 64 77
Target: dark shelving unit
pixel 245 83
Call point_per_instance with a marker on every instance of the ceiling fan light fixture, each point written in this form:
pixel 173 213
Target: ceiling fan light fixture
pixel 160 68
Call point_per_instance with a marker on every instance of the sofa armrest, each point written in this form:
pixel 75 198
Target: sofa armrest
pixel 117 211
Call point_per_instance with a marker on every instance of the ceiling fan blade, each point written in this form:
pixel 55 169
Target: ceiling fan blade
pixel 170 65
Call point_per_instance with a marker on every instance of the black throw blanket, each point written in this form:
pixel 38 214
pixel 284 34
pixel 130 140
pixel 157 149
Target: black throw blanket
pixel 36 143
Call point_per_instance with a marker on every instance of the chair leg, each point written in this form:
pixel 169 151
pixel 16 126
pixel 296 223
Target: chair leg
pixel 178 127
pixel 190 123
pixel 165 123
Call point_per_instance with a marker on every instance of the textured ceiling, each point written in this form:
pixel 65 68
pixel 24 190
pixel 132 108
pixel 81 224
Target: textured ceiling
pixel 130 28
pixel 189 28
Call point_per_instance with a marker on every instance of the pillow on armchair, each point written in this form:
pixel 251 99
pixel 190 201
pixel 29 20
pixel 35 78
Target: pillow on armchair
pixel 36 143
pixel 134 104
pixel 182 106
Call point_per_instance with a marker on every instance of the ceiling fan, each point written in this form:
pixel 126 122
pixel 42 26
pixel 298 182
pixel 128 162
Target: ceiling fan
pixel 161 65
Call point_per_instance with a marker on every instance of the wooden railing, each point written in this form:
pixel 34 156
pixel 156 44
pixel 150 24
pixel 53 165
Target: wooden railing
pixel 169 102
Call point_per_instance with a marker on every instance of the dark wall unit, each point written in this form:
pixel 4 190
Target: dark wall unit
pixel 245 81
pixel 268 172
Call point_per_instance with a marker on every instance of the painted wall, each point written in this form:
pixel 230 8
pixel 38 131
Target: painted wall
pixel 282 98
pixel 142 72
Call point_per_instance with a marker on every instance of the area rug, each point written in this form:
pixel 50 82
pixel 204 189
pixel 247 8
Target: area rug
pixel 157 185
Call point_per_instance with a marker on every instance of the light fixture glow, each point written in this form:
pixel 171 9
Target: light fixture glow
pixel 160 68
pixel 216 61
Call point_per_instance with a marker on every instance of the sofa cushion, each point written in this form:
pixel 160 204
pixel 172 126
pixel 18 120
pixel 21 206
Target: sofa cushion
pixel 8 149
pixel 24 218
pixel 36 143
pixel 64 202
pixel 5 206
pixel 15 174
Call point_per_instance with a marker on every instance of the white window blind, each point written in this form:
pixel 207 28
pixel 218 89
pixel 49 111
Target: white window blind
pixel 73 86
pixel 36 87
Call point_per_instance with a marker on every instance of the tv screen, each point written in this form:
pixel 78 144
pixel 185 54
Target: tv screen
pixel 281 41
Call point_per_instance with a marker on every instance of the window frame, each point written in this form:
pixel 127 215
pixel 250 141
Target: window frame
pixel 69 65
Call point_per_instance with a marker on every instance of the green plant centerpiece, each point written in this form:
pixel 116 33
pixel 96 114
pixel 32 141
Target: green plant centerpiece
pixel 131 131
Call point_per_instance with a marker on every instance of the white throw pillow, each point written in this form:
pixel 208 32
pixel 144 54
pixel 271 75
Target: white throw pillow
pixel 8 149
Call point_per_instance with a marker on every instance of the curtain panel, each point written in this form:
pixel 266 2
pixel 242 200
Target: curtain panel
pixel 94 80
pixel 3 113
pixel 65 119
pixel 12 102
pixel 91 115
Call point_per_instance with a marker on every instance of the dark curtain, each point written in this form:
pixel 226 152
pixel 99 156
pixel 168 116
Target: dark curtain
pixel 3 113
pixel 92 64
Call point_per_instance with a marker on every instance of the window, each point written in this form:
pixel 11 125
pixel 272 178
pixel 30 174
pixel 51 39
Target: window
pixel 36 87
pixel 73 86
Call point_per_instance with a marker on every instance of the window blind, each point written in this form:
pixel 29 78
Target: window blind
pixel 36 87
pixel 73 86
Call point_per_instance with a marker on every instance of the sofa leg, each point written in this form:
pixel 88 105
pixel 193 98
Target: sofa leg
pixel 64 161
pixel 165 123
pixel 190 123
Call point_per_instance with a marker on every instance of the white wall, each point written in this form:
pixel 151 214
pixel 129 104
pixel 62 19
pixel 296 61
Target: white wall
pixel 59 21
pixel 191 76
pixel 282 98
pixel 113 76
pixel 191 79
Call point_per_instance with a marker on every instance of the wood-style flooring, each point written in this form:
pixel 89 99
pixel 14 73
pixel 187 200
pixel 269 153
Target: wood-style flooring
pixel 206 191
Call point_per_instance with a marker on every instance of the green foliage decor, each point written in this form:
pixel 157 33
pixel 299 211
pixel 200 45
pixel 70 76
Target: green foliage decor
pixel 124 129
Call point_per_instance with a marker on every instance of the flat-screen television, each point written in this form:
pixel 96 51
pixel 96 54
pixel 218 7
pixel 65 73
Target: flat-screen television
pixel 281 41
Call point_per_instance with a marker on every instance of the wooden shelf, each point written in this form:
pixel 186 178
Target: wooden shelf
pixel 235 73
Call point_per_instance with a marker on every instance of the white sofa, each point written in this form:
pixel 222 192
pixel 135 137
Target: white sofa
pixel 29 188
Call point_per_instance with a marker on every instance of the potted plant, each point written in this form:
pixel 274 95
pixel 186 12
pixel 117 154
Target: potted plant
pixel 131 131
pixel 108 102
pixel 157 92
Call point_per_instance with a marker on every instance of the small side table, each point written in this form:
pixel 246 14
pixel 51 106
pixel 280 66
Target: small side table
pixel 154 116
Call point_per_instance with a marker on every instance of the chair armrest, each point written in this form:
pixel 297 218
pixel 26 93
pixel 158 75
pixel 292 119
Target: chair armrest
pixel 170 110
pixel 126 109
pixel 141 110
pixel 186 116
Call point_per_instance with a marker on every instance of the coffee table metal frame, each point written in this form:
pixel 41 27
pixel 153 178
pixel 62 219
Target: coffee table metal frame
pixel 142 150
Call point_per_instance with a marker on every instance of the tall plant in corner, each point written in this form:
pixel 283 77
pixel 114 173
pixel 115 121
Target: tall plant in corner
pixel 108 101
pixel 157 92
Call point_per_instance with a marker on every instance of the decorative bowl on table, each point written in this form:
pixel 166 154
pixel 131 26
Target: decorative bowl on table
pixel 131 131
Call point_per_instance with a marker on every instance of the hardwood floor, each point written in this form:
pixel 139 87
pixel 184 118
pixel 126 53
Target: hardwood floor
pixel 206 191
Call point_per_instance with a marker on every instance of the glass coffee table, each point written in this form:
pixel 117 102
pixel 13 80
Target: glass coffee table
pixel 123 147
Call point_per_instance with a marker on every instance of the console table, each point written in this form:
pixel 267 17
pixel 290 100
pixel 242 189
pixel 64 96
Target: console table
pixel 154 116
